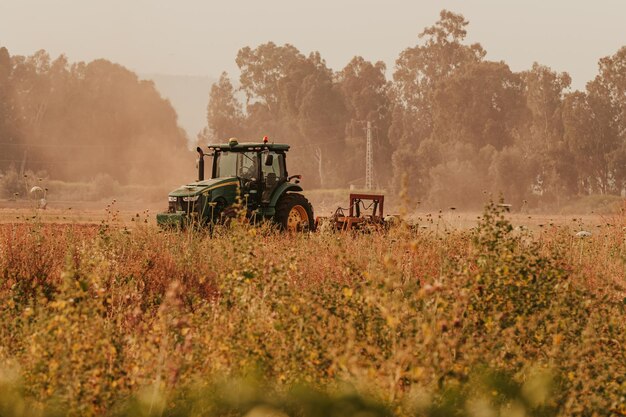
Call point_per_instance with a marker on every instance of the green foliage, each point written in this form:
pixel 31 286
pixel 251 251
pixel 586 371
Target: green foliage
pixel 511 273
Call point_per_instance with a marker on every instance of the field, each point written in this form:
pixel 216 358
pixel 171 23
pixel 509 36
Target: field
pixel 462 314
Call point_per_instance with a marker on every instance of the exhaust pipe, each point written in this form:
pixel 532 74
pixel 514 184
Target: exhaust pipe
pixel 200 164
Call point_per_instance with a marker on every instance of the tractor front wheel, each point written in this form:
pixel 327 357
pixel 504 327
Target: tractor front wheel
pixel 294 213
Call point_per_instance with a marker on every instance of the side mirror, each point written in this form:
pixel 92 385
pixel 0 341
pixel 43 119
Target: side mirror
pixel 269 160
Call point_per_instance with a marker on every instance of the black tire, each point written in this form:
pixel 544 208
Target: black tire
pixel 294 213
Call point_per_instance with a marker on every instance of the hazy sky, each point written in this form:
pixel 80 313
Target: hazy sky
pixel 202 37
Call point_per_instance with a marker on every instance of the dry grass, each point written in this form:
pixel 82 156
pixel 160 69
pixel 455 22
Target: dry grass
pixel 102 319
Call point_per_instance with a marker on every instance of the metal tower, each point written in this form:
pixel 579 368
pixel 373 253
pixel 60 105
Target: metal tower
pixel 369 159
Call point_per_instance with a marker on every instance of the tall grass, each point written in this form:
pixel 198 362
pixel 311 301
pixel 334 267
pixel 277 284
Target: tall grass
pixel 494 320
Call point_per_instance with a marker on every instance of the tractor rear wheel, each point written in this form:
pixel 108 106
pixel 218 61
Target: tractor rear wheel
pixel 294 213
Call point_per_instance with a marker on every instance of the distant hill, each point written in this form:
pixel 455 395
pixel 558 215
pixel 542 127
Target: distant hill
pixel 188 94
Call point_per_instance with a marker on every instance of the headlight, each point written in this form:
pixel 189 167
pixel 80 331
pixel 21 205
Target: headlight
pixel 171 199
pixel 194 198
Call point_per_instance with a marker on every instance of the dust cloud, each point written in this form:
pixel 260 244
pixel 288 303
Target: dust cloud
pixel 86 131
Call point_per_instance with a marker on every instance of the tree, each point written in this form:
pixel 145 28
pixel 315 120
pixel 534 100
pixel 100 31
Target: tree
pixel 480 104
pixel 608 95
pixel 365 91
pixel 586 138
pixel 476 112
pixel 321 120
pixel 544 90
pixel 541 139
pixel 442 53
pixel 263 69
pixel 418 70
pixel 10 134
pixel 224 112
pixel 595 128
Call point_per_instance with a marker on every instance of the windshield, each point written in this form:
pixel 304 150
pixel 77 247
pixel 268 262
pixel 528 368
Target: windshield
pixel 236 164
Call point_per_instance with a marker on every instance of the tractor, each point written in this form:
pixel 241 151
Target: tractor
pixel 245 177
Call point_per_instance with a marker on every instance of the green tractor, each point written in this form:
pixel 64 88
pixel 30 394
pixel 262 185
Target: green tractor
pixel 253 175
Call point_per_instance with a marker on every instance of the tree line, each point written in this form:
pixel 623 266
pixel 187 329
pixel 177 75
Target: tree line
pixel 450 124
pixel 75 121
pixel 448 127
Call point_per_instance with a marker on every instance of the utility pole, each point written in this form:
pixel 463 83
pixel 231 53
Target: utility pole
pixel 369 159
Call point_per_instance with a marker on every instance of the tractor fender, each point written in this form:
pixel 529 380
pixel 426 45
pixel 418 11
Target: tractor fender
pixel 282 189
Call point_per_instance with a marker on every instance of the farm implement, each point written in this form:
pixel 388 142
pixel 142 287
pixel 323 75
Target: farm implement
pixel 252 178
pixel 359 217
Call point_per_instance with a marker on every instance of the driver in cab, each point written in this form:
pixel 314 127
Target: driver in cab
pixel 250 173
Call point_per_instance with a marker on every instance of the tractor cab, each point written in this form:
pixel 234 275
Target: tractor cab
pixel 259 169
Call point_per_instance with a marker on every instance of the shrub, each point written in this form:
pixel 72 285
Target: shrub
pixel 105 320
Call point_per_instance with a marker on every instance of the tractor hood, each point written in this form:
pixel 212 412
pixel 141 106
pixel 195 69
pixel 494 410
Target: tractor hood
pixel 199 187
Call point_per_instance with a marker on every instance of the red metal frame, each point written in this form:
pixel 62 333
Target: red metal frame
pixel 378 199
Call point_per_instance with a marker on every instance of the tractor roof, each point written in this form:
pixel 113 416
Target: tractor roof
pixel 234 146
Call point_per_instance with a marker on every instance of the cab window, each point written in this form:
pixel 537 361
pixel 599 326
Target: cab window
pixel 226 165
pixel 273 170
pixel 236 164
